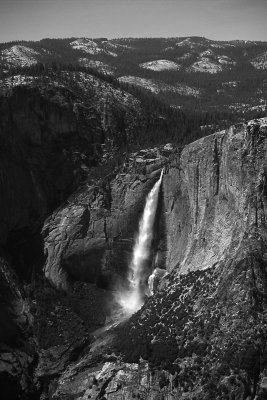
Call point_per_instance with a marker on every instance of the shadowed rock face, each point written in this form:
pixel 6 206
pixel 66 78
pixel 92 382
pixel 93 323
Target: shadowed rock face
pixel 43 137
pixel 16 358
pixel 47 145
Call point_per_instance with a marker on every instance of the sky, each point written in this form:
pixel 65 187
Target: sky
pixel 214 19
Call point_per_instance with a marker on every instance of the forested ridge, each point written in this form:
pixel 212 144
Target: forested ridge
pixel 239 83
pixel 157 124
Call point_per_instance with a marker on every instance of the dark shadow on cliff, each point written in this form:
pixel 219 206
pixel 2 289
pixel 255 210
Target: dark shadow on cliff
pixel 24 249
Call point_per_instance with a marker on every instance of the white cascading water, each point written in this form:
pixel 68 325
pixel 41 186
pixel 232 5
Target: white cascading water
pixel 132 299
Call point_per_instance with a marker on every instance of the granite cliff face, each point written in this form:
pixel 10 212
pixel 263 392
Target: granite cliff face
pixel 215 198
pixel 203 333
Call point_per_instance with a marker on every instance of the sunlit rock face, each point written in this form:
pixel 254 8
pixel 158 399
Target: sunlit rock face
pixel 154 280
pixel 215 197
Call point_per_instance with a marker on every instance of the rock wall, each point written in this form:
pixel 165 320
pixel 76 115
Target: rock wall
pixel 215 197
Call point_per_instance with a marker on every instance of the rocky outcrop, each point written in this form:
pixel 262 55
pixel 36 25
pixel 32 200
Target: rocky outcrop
pixel 117 380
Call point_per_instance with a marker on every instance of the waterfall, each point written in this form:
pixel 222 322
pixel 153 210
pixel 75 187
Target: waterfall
pixel 132 299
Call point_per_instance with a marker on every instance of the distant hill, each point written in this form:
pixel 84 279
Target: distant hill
pixel 184 72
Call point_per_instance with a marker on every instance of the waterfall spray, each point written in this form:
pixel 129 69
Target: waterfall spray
pixel 133 298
